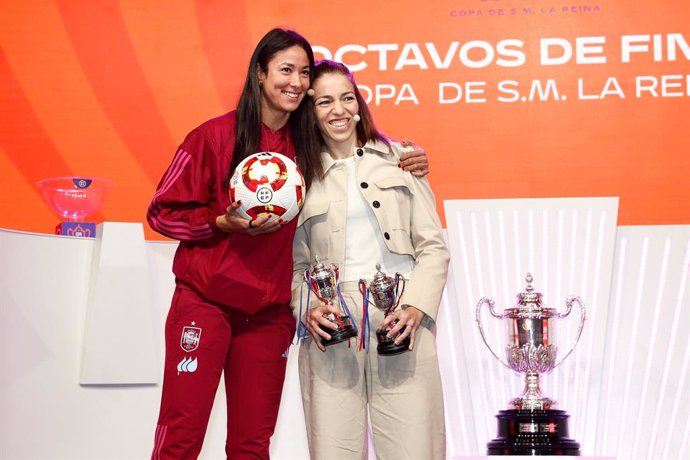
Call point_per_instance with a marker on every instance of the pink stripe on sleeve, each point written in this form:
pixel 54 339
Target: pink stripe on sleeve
pixel 175 229
pixel 161 432
pixel 174 171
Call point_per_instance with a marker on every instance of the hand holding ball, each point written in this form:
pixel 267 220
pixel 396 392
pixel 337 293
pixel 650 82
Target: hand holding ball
pixel 268 184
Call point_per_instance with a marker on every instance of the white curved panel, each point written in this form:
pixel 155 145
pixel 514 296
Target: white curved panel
pixel 645 408
pixel 567 245
pixel 460 430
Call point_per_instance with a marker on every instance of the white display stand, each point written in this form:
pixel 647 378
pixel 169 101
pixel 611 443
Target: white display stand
pixel 122 337
pixel 626 391
pixel 56 307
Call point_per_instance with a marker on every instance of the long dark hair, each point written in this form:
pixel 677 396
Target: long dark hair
pixel 366 128
pixel 248 119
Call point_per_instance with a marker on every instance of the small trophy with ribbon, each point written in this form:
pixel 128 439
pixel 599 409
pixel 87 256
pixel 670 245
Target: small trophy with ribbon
pixel 386 292
pixel 532 425
pixel 323 282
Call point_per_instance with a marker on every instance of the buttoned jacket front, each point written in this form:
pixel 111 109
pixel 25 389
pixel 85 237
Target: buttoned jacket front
pixel 405 210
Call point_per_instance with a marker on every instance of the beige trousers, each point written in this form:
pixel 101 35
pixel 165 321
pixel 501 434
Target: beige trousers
pixel 342 388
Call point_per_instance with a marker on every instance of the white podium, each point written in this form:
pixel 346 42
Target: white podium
pixel 121 337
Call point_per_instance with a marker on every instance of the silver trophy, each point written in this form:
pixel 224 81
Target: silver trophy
pixel 386 292
pixel 531 426
pixel 323 281
pixel 531 342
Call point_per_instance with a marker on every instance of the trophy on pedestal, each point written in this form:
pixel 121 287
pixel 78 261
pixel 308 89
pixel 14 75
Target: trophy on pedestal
pixel 323 282
pixel 386 292
pixel 74 199
pixel 532 425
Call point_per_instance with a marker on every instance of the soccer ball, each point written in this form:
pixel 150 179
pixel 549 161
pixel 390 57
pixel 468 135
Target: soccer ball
pixel 268 184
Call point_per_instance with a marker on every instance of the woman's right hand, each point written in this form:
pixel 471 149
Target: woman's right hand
pixel 315 317
pixel 232 222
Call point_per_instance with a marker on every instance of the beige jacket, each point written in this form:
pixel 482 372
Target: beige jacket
pixel 406 212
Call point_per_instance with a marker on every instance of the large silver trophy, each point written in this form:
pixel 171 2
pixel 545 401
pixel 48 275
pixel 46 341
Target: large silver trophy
pixel 386 292
pixel 323 282
pixel 531 425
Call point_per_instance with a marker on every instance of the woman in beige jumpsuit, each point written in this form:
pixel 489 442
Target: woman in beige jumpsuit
pixel 365 211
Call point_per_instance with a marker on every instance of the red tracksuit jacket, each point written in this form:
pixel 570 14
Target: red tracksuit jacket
pixel 247 273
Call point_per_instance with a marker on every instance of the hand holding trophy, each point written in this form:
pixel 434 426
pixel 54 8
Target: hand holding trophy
pixel 323 282
pixel 386 293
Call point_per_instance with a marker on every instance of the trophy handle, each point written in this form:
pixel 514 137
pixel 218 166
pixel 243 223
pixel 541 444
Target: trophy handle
pixel 398 291
pixel 308 280
pixel 583 316
pixel 336 274
pixel 491 303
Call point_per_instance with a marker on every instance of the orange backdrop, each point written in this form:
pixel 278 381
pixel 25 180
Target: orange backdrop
pixel 511 98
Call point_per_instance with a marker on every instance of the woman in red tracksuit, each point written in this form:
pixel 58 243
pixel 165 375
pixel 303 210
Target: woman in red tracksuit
pixel 230 312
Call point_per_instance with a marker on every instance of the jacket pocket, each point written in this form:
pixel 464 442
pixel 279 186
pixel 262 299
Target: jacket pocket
pixel 394 199
pixel 396 181
pixel 401 242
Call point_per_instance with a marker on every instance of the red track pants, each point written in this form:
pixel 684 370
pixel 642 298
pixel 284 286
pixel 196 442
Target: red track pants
pixel 202 341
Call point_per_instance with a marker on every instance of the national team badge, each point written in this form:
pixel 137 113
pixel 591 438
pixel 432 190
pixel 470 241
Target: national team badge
pixel 190 338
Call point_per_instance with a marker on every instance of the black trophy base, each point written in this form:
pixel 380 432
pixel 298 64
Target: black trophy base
pixel 387 346
pixel 535 432
pixel 338 335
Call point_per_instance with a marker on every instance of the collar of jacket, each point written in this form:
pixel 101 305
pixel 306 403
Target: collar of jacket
pixel 375 147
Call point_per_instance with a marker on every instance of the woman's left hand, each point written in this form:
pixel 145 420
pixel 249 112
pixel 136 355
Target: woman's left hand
pixel 232 222
pixel 408 319
pixel 415 161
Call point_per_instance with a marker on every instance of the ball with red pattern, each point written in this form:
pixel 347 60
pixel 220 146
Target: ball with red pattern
pixel 268 184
